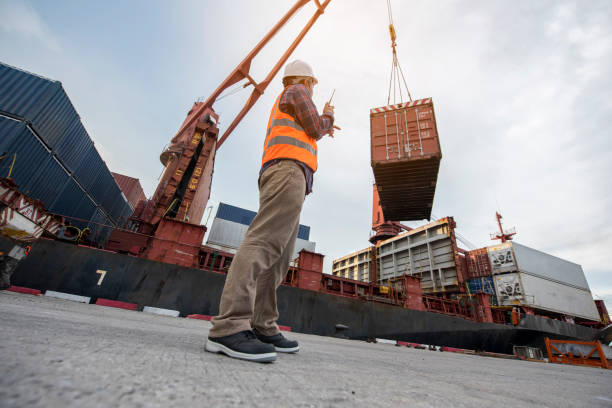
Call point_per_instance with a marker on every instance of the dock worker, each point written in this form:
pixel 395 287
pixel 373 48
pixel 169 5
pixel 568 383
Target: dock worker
pixel 246 326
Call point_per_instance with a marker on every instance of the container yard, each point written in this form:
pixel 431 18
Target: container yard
pixel 118 241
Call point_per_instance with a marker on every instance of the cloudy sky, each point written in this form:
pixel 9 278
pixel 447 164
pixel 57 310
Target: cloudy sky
pixel 521 92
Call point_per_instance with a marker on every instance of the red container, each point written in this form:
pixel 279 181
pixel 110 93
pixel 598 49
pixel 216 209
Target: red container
pixel 478 264
pixel 603 311
pixel 405 152
pixel 310 261
pixel 131 188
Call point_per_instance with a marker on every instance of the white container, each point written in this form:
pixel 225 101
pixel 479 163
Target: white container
pixel 514 257
pixel 523 289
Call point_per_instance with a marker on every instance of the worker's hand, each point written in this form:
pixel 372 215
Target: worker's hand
pixel 328 108
pixel 331 132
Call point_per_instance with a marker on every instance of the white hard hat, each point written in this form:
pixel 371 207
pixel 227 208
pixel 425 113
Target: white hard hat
pixel 299 68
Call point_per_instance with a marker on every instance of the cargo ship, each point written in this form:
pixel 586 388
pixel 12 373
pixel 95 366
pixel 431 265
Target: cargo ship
pixel 420 286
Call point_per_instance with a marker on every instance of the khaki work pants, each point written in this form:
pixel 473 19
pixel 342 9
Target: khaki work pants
pixel 262 261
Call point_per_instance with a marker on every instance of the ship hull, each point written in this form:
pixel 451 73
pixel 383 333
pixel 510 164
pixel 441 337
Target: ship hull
pixel 85 271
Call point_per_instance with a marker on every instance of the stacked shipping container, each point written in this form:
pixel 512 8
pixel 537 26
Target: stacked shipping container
pixel 231 224
pixel 526 277
pixel 429 252
pixel 131 189
pixel 51 156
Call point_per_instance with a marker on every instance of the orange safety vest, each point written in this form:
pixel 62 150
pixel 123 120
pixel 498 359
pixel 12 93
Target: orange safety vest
pixel 286 139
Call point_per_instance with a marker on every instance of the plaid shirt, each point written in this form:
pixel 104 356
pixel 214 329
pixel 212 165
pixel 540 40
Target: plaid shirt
pixel 296 102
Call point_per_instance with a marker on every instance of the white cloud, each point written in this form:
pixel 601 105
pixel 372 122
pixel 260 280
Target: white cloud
pixel 18 17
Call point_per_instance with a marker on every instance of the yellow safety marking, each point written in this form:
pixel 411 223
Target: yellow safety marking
pixel 102 275
pixel 197 171
pixel 196 139
pixel 193 183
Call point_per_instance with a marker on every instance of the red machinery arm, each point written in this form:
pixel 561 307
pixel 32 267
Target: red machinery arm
pixel 242 70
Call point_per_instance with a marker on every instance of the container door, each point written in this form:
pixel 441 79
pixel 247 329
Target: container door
pixel 386 139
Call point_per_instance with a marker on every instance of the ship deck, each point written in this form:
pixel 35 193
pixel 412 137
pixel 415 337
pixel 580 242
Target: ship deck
pixel 56 352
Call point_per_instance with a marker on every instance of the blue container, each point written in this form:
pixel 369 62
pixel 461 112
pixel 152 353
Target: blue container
pixel 88 171
pixel 23 94
pixel 245 217
pixel 9 130
pixel 53 150
pixel 30 157
pixel 74 147
pixel 483 285
pixel 55 119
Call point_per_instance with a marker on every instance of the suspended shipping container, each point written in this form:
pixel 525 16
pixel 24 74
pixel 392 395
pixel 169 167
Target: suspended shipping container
pixel 405 153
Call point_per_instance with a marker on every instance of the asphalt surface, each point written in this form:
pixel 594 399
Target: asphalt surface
pixel 58 353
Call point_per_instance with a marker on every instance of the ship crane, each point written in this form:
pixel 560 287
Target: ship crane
pixel 504 235
pixel 167 227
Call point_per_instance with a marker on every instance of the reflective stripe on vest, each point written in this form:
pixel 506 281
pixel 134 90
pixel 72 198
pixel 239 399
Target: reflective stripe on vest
pixel 286 139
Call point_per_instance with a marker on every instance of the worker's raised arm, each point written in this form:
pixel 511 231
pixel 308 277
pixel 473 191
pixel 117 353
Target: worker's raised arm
pixel 296 101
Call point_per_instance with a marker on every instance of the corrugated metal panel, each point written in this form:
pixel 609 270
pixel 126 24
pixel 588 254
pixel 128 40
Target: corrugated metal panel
pixel 68 200
pixel 44 104
pixel 229 235
pixel 505 258
pixel 36 171
pixel 235 214
pixel 74 146
pixel 131 188
pixel 31 155
pixel 86 208
pixel 427 252
pixel 49 181
pixel 304 232
pixel 55 118
pixel 88 171
pixel 9 130
pixel 24 94
pixel 245 217
pixel 484 285
pixel 539 293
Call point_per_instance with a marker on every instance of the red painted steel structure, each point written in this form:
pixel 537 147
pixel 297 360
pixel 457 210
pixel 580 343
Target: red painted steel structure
pixel 504 235
pixel 383 229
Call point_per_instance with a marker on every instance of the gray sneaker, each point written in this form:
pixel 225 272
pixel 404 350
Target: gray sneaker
pixel 280 343
pixel 243 345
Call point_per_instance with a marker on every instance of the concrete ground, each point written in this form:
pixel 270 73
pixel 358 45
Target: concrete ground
pixel 57 353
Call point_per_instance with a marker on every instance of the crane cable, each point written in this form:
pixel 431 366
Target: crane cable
pixel 396 69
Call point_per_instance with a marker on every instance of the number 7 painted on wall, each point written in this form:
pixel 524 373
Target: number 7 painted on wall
pixel 102 275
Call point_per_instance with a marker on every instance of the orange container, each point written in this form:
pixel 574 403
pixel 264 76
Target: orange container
pixel 406 156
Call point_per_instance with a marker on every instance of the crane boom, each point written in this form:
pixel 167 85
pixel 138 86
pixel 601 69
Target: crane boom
pixel 173 214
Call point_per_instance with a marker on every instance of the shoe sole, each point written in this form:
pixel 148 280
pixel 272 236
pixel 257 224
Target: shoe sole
pixel 288 350
pixel 214 347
